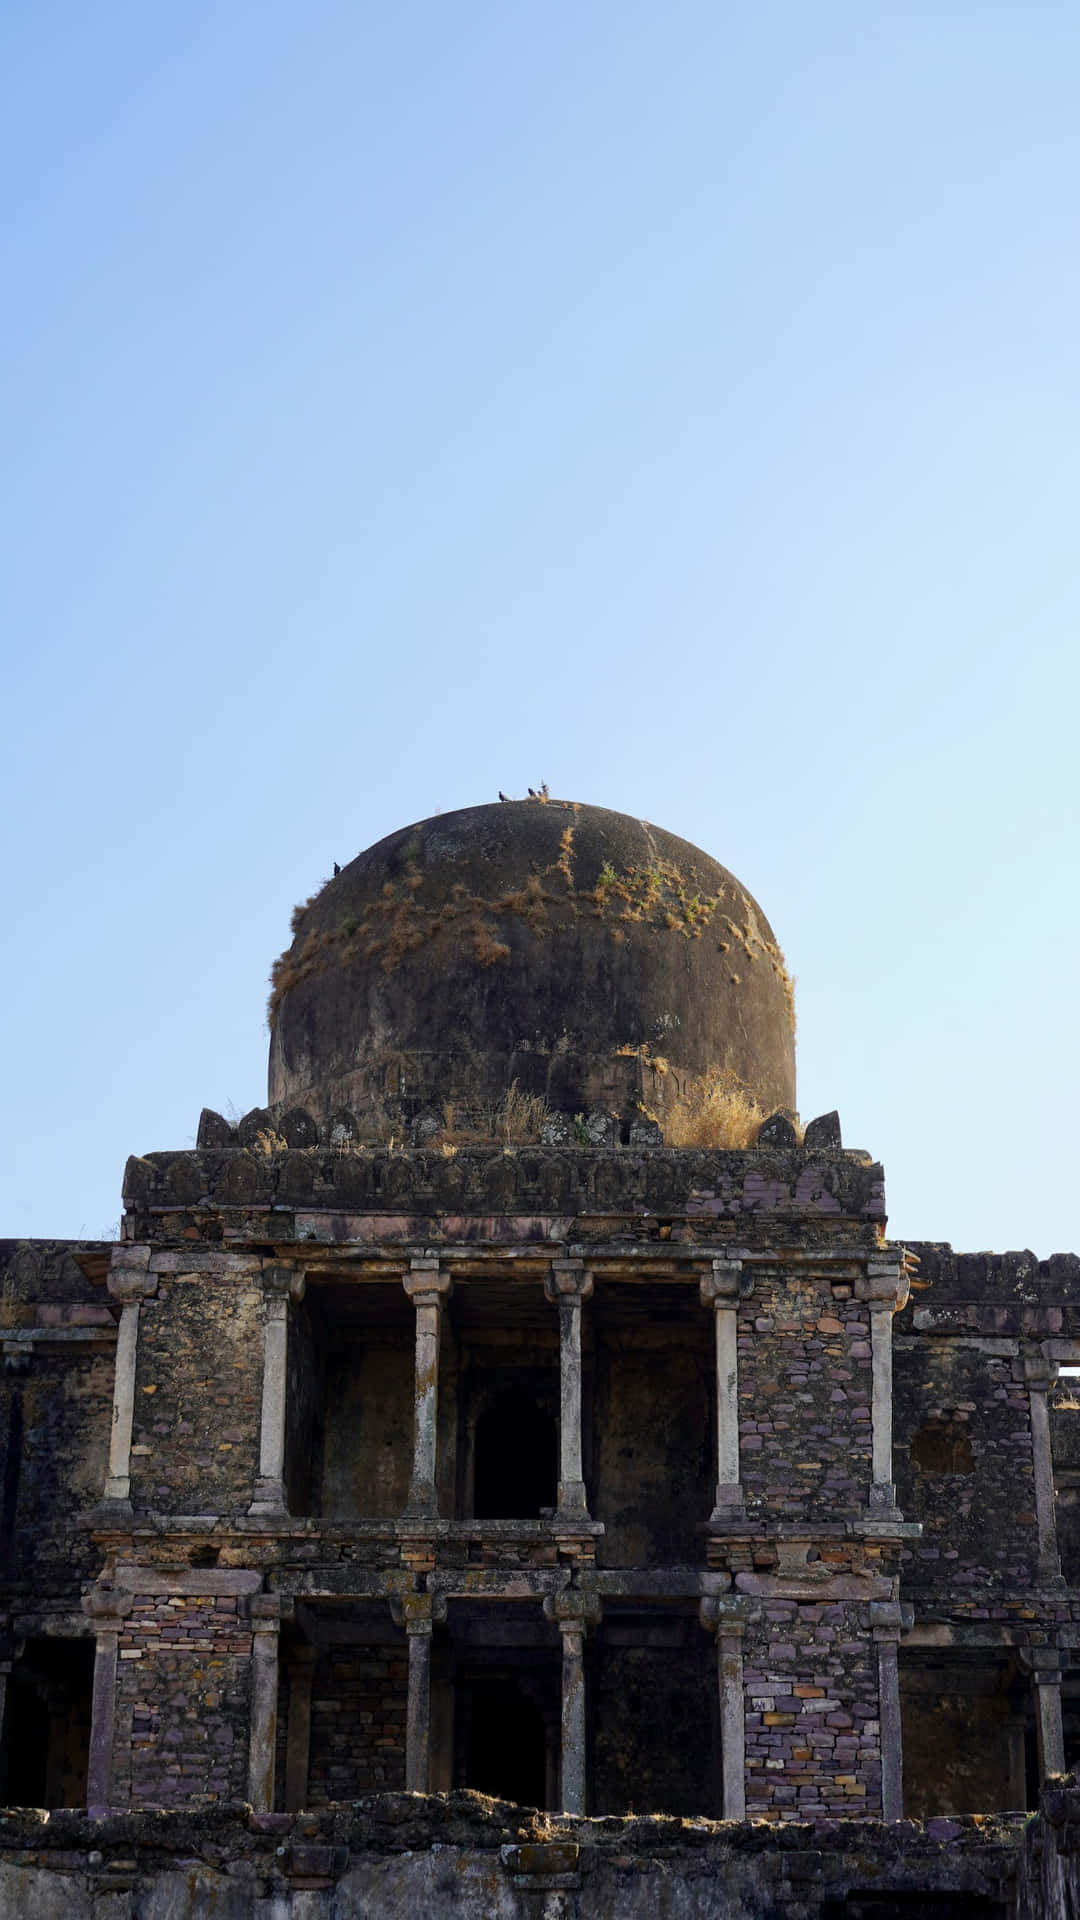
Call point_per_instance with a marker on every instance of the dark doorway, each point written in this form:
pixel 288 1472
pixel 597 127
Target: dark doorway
pixel 506 1744
pixel 517 1459
pixel 47 1725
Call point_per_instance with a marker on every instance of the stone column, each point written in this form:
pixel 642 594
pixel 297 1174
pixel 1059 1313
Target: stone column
pixel 262 1747
pixel 1048 1728
pixel 418 1613
pixel 106 1606
pixel 574 1613
pixel 298 1732
pixel 130 1282
pixel 720 1290
pixel 568 1285
pixel 725 1616
pixel 884 1287
pixel 428 1287
pixel 280 1285
pixel 1040 1374
pixel 885 1623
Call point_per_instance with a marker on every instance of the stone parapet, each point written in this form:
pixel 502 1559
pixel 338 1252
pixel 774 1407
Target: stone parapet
pixel 705 1185
pixel 402 1854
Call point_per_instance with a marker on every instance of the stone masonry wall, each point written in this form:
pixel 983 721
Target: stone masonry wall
pixel 182 1701
pixel 358 1702
pixel 198 1391
pixel 812 1729
pixel 1064 1404
pixel 968 1398
pixel 804 1397
pixel 65 1407
pixel 56 1392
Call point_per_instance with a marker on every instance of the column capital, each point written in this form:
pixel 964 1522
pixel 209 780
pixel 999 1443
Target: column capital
pixel 418 1612
pixel 1040 1372
pixel 106 1604
pixel 427 1281
pixel 724 1613
pixel 264 1612
pixel 888 1619
pixel 1043 1663
pixel 569 1280
pixel 722 1285
pixel 280 1281
pixel 573 1610
pixel 129 1279
pixel 886 1283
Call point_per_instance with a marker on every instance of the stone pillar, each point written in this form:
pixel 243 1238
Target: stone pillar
pixel 725 1616
pixel 568 1285
pixel 130 1282
pixel 418 1613
pixel 1048 1728
pixel 280 1285
pixel 428 1287
pixel 574 1613
pixel 885 1623
pixel 884 1287
pixel 298 1732
pixel 106 1606
pixel 1040 1374
pixel 720 1290
pixel 262 1748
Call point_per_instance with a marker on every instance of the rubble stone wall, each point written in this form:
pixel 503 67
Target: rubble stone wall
pixel 198 1390
pixel 804 1397
pixel 812 1724
pixel 963 1466
pixel 358 1702
pixel 182 1701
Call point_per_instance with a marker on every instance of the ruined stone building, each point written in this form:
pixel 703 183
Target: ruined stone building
pixel 473 1416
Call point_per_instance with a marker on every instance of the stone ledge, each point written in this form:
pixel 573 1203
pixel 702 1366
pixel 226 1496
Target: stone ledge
pixel 552 1187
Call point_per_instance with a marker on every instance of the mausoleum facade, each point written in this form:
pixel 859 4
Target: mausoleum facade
pixel 443 1426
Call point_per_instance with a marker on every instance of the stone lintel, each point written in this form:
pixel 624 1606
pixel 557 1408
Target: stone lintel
pixel 886 1523
pixel 215 1580
pixel 810 1587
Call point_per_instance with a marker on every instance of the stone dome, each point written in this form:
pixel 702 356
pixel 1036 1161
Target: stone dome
pixel 594 959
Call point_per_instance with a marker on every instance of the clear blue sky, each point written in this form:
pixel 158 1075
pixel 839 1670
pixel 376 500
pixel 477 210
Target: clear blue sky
pixel 676 403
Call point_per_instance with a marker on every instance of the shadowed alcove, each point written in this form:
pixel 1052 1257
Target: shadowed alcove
pixel 516 1464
